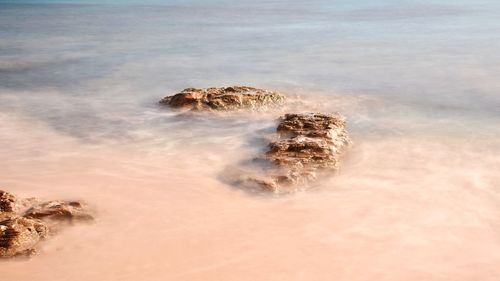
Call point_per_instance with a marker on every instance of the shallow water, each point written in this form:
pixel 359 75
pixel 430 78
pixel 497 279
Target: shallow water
pixel 418 196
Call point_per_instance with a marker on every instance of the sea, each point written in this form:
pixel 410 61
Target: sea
pixel 418 193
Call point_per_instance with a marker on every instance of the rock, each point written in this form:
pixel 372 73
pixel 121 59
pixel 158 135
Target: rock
pixel 59 211
pixel 307 144
pixel 19 236
pixel 24 222
pixel 224 99
pixel 8 203
pixel 310 140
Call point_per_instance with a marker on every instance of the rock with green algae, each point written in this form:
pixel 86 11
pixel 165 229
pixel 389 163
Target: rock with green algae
pixel 225 99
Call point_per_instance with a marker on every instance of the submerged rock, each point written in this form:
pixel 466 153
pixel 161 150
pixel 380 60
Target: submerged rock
pixel 25 222
pixel 309 140
pixel 224 99
pixel 59 211
pixel 11 205
pixel 307 144
pixel 19 236
pixel 8 203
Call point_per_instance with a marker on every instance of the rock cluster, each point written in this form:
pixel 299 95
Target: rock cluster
pixel 307 145
pixel 25 222
pixel 224 99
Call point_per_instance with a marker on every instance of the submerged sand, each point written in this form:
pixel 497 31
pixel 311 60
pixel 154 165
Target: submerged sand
pixel 428 211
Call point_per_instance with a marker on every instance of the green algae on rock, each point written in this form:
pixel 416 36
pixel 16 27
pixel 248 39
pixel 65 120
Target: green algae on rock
pixel 225 99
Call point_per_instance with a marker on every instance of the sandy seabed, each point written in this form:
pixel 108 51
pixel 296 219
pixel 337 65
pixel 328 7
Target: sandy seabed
pixel 403 207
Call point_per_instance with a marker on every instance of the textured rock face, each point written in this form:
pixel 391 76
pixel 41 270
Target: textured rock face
pixel 19 236
pixel 60 211
pixel 307 145
pixel 25 222
pixel 309 140
pixel 224 99
pixel 7 203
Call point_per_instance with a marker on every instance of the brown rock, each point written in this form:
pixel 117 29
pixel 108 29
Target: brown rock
pixel 8 202
pixel 224 99
pixel 19 236
pixel 59 211
pixel 24 222
pixel 11 205
pixel 308 144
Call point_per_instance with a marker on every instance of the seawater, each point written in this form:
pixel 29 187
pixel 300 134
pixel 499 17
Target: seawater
pixel 418 195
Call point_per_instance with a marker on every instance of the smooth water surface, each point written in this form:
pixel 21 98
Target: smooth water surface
pixel 418 196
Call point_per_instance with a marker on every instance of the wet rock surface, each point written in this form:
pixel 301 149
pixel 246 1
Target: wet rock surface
pixel 25 222
pixel 8 203
pixel 60 211
pixel 19 236
pixel 224 99
pixel 307 145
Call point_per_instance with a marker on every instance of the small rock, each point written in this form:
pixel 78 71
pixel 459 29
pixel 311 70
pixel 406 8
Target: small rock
pixel 307 145
pixel 19 236
pixel 11 205
pixel 224 99
pixel 8 203
pixel 60 211
pixel 24 222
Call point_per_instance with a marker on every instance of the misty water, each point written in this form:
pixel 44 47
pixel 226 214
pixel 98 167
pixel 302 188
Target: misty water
pixel 418 194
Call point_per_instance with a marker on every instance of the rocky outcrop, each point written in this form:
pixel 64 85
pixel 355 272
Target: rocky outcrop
pixel 8 203
pixel 59 211
pixel 224 99
pixel 306 145
pixel 19 236
pixel 25 222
